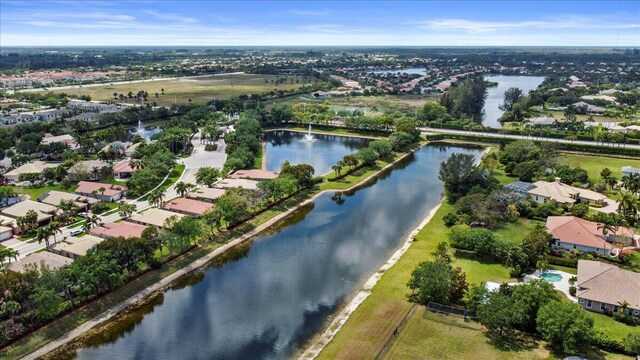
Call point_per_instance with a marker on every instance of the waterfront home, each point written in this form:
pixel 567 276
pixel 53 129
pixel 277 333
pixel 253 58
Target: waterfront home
pixel 123 229
pixel 187 206
pixel 123 170
pixel 206 194
pixel 75 247
pixel 570 232
pixel 45 212
pixel 604 287
pixel 628 170
pixel 101 191
pixel 253 174
pixel 236 183
pixel 154 217
pixel 35 167
pixel 54 198
pixel 131 149
pixel 542 121
pixel 39 260
pixel 563 194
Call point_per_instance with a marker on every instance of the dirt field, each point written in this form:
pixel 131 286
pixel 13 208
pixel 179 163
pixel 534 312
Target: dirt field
pixel 200 90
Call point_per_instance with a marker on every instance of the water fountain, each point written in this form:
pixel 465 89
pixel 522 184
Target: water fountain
pixel 308 137
pixel 140 129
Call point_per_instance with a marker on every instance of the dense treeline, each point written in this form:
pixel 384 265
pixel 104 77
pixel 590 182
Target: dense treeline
pixel 466 99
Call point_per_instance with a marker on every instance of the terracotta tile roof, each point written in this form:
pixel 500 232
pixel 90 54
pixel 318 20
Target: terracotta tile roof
pixel 574 230
pixel 188 206
pixel 49 259
pixel 87 187
pixel 253 174
pixel 608 284
pixel 155 217
pixel 124 228
pixel 123 167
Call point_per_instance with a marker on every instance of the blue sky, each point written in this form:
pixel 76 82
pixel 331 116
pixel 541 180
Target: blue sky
pixel 468 23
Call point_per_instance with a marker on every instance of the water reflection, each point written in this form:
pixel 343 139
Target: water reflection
pixel 265 303
pixel 322 153
pixel 495 95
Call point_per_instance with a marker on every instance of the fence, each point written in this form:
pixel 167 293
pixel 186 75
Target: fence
pixel 445 309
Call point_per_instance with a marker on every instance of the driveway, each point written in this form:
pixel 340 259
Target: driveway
pixel 610 208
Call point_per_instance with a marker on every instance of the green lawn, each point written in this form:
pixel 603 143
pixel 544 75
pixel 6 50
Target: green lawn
pixel 35 192
pixel 614 328
pixel 593 164
pixel 175 174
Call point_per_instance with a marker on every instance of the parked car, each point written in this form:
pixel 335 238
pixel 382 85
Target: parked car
pixel 75 232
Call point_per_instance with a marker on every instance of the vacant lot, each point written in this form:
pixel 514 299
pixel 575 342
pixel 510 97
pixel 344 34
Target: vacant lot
pixel 200 90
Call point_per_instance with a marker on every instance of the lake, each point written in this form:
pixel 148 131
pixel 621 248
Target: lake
pixel 270 297
pixel 495 95
pixel 323 152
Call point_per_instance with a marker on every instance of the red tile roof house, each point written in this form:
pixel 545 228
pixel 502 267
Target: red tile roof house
pixel 254 175
pixel 111 193
pixel 189 207
pixel 570 232
pixel 601 287
pixel 123 229
pixel 123 170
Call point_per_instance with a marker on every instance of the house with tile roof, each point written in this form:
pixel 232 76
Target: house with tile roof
pixel 123 229
pixel 123 170
pixel 187 206
pixel 101 191
pixel 563 194
pixel 603 287
pixel 38 260
pixel 154 217
pixel 570 232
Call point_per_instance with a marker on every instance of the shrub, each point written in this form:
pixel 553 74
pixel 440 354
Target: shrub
pixel 562 261
pixel 450 219
pixel 606 342
pixel 626 319
pixel 99 208
pixel 211 147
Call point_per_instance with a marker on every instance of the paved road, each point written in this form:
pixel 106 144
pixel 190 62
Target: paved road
pixel 522 137
pixel 199 158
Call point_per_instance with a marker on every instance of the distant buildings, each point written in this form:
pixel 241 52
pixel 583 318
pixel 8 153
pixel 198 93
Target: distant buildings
pixel 628 170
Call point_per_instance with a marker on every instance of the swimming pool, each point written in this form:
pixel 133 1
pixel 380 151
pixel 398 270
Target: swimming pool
pixel 551 277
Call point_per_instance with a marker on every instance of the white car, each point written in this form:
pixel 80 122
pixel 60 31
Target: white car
pixel 75 232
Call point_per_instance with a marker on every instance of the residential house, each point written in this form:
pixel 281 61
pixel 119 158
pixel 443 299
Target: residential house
pixel 87 170
pixel 75 247
pixel 54 198
pixel 206 194
pixel 628 170
pixel 123 170
pixel 254 174
pixel 187 206
pixel 39 260
pixel 101 191
pixel 590 109
pixel 45 212
pixel 236 183
pixel 9 222
pixel 604 287
pixel 123 229
pixel 64 139
pixel 35 167
pixel 570 232
pixel 6 233
pixel 131 149
pixel 154 217
pixel 563 194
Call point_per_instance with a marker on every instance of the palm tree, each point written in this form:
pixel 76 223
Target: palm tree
pixel 337 168
pixel 42 234
pixel 126 210
pixel 136 164
pixel 156 197
pixel 55 227
pixel 624 306
pixel 631 182
pixel 102 189
pixel 91 222
pixel 611 181
pixel 183 188
pixel 162 91
pixel 629 206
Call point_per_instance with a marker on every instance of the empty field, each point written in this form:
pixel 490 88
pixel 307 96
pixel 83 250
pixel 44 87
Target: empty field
pixel 199 89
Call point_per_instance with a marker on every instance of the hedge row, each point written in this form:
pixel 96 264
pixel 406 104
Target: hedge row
pixel 561 261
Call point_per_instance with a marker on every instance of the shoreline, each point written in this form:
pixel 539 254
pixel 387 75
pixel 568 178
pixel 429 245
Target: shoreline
pixel 157 287
pixel 321 340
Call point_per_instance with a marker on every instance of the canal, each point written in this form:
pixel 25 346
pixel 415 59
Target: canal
pixel 271 296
